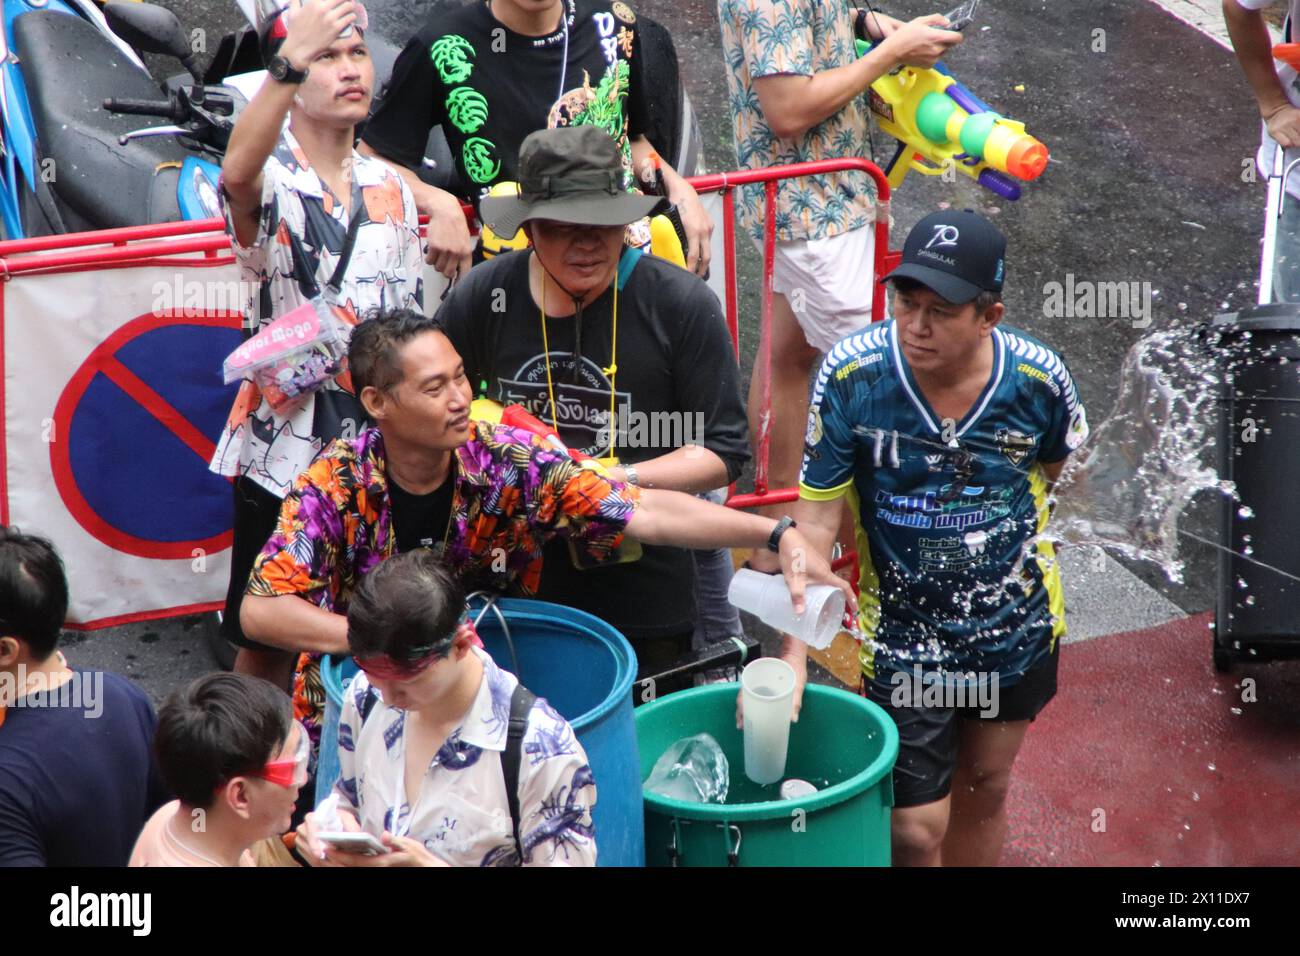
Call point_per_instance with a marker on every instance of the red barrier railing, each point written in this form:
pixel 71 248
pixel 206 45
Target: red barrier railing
pixel 107 247
pixel 885 260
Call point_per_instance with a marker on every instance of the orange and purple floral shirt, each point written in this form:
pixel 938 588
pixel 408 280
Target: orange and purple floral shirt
pixel 512 494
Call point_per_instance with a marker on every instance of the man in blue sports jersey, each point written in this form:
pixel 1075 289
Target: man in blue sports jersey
pixel 944 430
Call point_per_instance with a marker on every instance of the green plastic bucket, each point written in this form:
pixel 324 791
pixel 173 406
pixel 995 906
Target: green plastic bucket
pixel 843 744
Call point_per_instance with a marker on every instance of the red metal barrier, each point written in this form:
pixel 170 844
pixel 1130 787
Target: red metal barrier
pixel 885 260
pixel 107 247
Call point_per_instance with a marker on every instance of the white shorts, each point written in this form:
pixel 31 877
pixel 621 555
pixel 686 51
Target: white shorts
pixel 828 283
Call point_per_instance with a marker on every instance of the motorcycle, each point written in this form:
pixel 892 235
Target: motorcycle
pixel 73 161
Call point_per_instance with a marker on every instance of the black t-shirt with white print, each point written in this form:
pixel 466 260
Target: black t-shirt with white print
pixel 489 87
pixel 676 383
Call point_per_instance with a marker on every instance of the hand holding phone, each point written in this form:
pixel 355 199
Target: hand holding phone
pixel 366 844
pixel 960 17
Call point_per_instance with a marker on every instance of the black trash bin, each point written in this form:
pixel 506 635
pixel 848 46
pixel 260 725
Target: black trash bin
pixel 1259 450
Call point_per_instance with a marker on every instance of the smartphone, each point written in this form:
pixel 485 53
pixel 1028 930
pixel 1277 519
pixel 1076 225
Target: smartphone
pixel 959 18
pixel 366 844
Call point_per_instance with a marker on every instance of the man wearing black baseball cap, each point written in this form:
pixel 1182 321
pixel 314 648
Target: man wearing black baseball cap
pixel 943 429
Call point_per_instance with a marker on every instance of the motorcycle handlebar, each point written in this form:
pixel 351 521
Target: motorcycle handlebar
pixel 167 109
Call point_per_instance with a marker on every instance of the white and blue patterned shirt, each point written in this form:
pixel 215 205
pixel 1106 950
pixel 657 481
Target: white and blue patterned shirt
pixel 461 813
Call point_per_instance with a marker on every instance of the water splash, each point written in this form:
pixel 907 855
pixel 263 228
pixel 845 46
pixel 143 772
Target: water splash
pixel 1126 489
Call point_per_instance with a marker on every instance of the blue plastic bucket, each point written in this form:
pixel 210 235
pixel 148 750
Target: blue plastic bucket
pixel 585 669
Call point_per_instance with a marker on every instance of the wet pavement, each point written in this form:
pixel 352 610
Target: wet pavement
pixel 1150 125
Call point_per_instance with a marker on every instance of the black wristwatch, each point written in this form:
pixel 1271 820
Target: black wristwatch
pixel 282 70
pixel 860 25
pixel 782 526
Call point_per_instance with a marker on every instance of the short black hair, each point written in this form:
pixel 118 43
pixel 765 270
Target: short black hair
pixel 374 353
pixel 982 302
pixel 406 608
pixel 33 591
pixel 217 727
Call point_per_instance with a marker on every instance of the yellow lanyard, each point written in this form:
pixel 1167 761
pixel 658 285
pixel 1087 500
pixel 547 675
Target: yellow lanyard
pixel 611 371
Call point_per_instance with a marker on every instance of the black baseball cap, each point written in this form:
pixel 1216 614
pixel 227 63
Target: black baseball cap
pixel 957 254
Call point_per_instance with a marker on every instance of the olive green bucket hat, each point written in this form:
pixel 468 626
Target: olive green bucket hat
pixel 573 174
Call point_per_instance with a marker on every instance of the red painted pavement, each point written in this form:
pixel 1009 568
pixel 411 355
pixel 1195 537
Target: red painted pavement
pixel 1142 727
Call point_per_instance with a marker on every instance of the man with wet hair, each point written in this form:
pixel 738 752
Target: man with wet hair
pixel 425 751
pixel 943 429
pixel 230 750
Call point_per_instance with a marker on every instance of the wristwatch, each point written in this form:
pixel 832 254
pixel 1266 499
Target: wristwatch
pixel 283 71
pixel 782 526
pixel 630 472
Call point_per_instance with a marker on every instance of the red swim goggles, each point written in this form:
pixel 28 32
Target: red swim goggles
pixel 386 668
pixel 292 771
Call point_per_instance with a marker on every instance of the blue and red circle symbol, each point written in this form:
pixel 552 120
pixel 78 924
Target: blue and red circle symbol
pixel 134 431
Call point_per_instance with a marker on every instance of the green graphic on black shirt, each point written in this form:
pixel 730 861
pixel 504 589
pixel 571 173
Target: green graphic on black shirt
pixel 481 161
pixel 450 55
pixel 467 109
pixel 604 107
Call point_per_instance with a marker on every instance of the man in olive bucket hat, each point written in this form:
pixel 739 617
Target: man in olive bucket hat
pixel 580 329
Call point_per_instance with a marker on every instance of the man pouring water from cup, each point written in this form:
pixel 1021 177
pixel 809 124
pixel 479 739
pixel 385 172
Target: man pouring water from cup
pixel 944 429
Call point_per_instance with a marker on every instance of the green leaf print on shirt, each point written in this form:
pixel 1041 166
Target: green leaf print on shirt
pixel 480 159
pixel 467 109
pixel 450 55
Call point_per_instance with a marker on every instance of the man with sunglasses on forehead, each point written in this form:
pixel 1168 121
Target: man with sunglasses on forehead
pixel 229 748
pixel 944 429
pixel 425 753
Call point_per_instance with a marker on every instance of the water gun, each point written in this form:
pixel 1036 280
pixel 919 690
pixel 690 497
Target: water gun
pixel 667 236
pixel 938 123
pixel 487 410
pixel 516 416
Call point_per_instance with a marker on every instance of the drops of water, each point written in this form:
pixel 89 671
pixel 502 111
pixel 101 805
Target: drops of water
pixel 1195 796
pixel 1250 599
pixel 1213 767
pixel 1127 487
pixel 1236 711
pixel 1245 511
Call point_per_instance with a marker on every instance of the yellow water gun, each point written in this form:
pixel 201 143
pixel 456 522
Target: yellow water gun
pixel 939 123
pixel 667 238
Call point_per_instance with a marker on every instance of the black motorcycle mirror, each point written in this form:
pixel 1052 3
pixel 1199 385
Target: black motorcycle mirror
pixel 152 29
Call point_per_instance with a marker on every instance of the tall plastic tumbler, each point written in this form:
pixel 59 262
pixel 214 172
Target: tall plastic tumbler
pixel 767 686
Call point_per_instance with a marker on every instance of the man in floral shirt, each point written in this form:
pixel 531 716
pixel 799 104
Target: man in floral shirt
pixel 487 497
pixel 289 192
pixel 796 88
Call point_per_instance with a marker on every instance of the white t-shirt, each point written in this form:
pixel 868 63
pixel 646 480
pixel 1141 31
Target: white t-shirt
pixel 1267 147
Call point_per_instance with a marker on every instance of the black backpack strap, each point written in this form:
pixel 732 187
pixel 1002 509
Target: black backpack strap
pixel 521 703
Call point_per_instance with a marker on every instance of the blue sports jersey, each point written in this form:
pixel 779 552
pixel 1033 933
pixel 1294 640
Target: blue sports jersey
pixel 947 582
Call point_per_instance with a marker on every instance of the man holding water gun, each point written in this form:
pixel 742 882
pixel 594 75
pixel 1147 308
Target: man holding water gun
pixel 797 89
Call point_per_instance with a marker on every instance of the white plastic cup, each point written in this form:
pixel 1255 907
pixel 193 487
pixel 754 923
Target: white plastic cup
pixel 766 597
pixel 767 686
